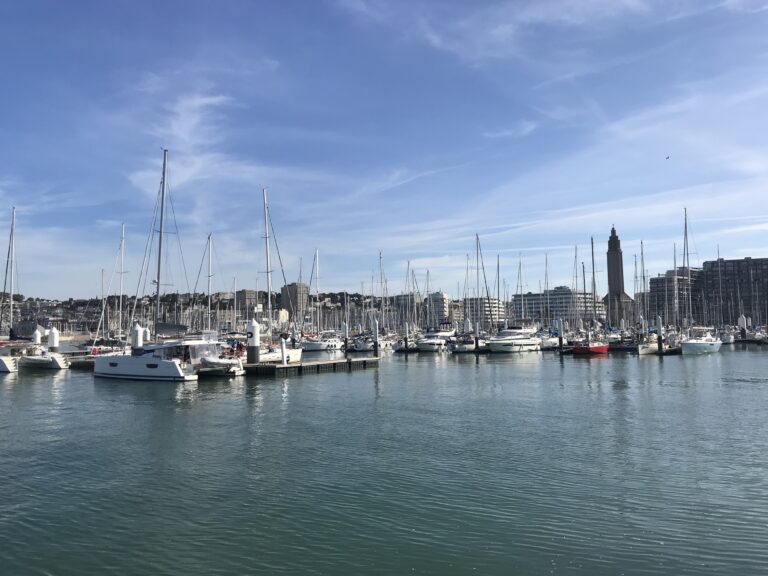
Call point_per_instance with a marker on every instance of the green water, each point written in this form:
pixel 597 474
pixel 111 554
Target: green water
pixel 527 464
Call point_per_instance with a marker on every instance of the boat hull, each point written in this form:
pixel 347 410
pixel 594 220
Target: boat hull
pixel 47 361
pixel 142 368
pixel 511 346
pixel 584 350
pixel 690 348
pixel 431 345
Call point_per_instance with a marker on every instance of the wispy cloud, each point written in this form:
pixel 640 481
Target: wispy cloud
pixel 522 128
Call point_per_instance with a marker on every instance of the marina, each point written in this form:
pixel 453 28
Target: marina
pixel 383 288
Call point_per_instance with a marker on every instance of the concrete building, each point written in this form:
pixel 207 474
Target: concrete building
pixel 437 309
pixel 560 302
pixel 294 297
pixel 668 297
pixel 485 311
pixel 729 288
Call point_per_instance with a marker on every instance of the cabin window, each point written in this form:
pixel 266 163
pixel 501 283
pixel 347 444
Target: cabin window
pixel 113 364
pixel 152 365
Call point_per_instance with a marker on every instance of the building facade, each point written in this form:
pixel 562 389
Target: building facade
pixel 559 303
pixel 294 297
pixel 729 288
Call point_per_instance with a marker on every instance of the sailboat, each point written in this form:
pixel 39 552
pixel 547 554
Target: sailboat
pixel 322 340
pixel 591 344
pixel 699 339
pixel 273 352
pixel 13 354
pixel 166 360
pixel 8 352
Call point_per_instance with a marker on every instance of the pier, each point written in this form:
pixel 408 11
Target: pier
pixel 271 369
pixel 312 367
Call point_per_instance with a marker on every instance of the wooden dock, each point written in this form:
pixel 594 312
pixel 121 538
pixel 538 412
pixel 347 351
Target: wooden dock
pixel 312 367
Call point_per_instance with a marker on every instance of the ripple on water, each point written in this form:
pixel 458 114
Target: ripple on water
pixel 529 464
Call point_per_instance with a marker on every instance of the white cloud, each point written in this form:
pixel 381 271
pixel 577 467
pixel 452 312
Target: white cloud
pixel 522 128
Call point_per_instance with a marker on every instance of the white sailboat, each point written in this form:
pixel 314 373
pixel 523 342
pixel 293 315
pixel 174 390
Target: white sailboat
pixel 8 352
pixel 168 360
pixel 699 339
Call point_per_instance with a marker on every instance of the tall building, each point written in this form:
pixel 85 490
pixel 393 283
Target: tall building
pixel 668 297
pixel 486 312
pixel 558 303
pixel 437 309
pixel 294 297
pixel 617 302
pixel 729 288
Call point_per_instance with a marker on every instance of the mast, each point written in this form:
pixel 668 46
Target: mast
pixel 12 254
pixel 269 265
pixel 477 284
pixel 634 320
pixel 676 301
pixel 208 321
pixel 719 288
pixel 594 302
pixel 645 290
pixel 317 290
pixel 584 284
pixel 498 288
pixel 687 261
pixel 163 183
pixel 546 288
pixel 122 271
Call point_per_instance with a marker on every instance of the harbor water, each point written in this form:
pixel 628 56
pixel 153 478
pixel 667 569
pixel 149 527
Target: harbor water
pixel 428 464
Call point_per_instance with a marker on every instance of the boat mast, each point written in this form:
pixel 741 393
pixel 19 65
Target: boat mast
pixel 645 285
pixel 594 301
pixel 122 271
pixel 676 300
pixel 269 265
pixel 477 284
pixel 719 288
pixel 546 288
pixel 317 290
pixel 163 183
pixel 687 261
pixel 584 285
pixel 208 320
pixel 12 253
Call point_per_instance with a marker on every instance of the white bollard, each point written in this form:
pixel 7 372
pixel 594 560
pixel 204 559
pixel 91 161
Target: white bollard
pixel 53 340
pixel 137 337
pixel 253 343
pixel 36 336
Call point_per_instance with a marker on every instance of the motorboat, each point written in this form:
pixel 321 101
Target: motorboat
pixel 435 341
pixel 700 341
pixel 516 339
pixel 468 343
pixel 322 342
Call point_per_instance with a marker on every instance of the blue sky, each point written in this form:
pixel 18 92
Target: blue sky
pixel 380 126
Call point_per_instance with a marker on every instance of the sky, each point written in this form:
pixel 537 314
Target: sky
pixel 386 133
